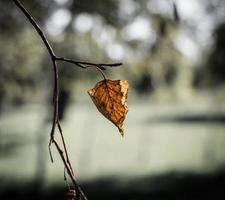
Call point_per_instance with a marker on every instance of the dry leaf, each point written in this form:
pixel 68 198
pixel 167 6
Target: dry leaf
pixel 110 97
pixel 71 195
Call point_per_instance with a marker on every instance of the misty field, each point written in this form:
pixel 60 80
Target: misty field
pixel 158 139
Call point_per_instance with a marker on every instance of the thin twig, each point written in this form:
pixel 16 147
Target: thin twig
pixel 52 55
pixel 64 146
pixel 67 167
pixel 84 65
pixel 66 162
pixel 55 120
pixel 36 26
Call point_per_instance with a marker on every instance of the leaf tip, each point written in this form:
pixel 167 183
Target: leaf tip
pixel 121 131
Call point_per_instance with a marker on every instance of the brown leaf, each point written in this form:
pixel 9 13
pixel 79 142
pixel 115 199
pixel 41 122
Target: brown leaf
pixel 110 97
pixel 71 195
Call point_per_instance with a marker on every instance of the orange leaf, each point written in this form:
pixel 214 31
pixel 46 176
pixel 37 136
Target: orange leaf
pixel 110 97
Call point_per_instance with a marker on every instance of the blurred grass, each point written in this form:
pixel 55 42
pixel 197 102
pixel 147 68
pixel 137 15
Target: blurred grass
pixel 155 142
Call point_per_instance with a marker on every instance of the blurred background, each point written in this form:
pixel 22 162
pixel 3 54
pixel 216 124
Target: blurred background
pixel 173 57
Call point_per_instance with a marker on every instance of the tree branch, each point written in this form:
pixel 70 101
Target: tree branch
pixel 85 65
pixel 55 121
pixel 36 26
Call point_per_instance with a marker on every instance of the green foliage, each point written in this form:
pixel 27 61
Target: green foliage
pixel 24 65
pixel 216 64
pixel 211 73
pixel 108 10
